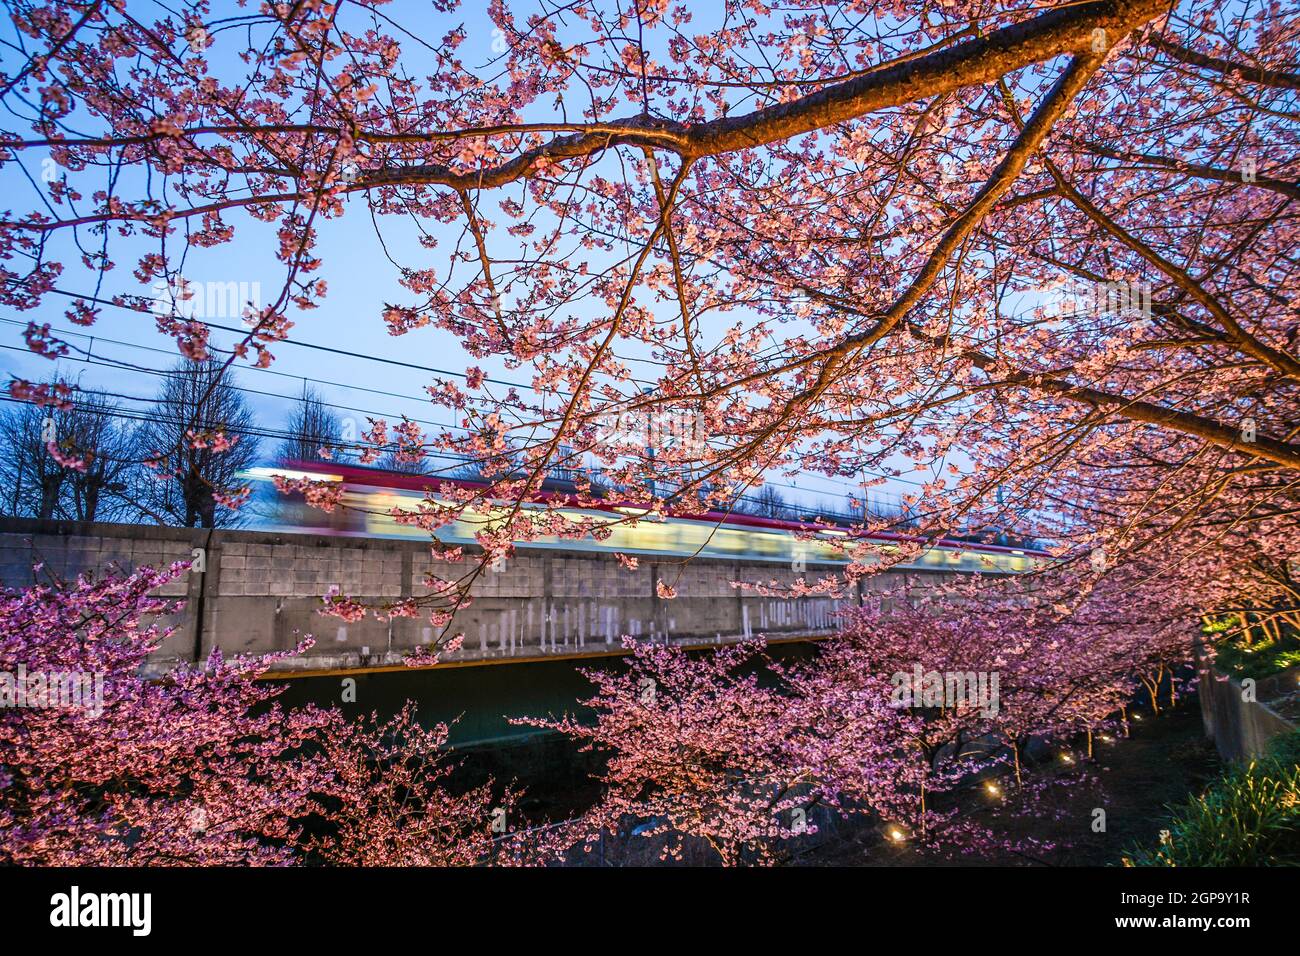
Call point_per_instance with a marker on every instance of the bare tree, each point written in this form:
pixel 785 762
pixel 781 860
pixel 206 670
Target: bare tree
pixel 767 502
pixel 394 460
pixel 31 480
pixel 312 425
pixel 198 406
pixel 33 483
pixel 105 490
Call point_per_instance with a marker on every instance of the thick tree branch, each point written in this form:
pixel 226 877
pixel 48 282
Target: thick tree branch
pixel 1254 74
pixel 1275 358
pixel 1188 423
pixel 1200 170
pixel 1066 29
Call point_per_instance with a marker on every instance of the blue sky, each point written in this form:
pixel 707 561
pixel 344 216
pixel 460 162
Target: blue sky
pixel 360 278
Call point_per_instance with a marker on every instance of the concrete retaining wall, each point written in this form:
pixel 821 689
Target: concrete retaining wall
pixel 1242 729
pixel 261 591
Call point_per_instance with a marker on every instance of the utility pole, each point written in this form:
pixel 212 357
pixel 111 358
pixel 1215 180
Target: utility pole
pixel 649 443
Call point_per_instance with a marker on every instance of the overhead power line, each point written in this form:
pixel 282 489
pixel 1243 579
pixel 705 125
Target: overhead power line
pixel 452 460
pixel 109 362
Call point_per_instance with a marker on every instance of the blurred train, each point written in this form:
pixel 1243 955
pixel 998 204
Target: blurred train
pixel 370 495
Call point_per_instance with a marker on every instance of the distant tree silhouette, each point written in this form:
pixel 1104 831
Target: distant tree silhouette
pixel 196 405
pixel 34 484
pixel 312 425
pixel 767 502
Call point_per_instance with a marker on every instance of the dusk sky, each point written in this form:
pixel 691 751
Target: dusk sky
pixel 361 280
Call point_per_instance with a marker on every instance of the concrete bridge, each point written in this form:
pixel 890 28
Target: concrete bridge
pixel 259 591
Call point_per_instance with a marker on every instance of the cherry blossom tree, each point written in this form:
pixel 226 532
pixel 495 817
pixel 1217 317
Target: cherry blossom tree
pixel 391 801
pixel 100 766
pixel 1046 246
pixel 697 749
pixel 703 746
pixel 1042 255
pixel 176 771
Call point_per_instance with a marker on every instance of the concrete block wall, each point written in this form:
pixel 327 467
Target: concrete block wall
pixel 65 556
pixel 261 592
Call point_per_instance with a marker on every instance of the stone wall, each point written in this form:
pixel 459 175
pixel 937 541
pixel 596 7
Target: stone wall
pixel 261 592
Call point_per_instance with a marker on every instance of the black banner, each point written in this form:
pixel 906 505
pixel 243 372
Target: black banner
pixel 131 908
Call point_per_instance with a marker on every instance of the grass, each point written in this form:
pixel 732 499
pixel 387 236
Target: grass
pixel 1249 817
pixel 1258 659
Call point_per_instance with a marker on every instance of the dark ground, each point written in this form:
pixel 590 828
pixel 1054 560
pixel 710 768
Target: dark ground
pixel 1166 759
